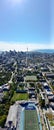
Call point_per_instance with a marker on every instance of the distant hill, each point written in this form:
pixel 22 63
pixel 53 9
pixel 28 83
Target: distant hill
pixel 45 50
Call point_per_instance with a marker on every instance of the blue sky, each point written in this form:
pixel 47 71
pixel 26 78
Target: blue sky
pixel 26 23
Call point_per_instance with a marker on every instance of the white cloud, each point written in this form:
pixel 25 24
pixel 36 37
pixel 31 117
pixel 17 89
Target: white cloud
pixel 23 46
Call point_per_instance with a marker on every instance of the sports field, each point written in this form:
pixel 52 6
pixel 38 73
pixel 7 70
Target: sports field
pixel 31 120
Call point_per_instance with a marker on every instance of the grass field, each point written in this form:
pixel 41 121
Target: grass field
pixel 18 96
pixel 31 120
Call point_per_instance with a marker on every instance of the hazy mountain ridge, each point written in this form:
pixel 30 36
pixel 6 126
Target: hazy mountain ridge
pixel 45 50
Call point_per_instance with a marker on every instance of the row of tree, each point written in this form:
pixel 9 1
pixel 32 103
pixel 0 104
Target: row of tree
pixel 5 104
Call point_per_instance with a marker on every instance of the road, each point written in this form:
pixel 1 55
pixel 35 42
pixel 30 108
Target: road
pixel 13 73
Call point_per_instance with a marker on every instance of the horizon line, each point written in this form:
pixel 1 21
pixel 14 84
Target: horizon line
pixel 22 46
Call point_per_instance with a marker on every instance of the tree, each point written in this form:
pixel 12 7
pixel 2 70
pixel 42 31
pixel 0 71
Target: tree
pixel 2 120
pixel 42 102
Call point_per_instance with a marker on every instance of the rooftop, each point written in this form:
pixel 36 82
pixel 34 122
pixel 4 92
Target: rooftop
pixel 30 78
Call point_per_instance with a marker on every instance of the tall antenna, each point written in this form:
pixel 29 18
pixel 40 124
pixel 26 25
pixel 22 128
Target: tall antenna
pixel 27 57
